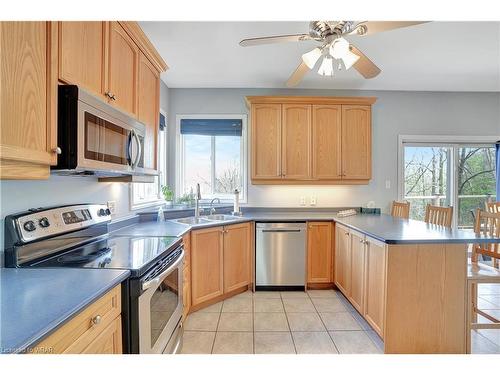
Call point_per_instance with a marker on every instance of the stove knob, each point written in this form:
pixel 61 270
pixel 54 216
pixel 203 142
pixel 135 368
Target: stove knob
pixel 29 226
pixel 101 212
pixel 108 211
pixel 44 222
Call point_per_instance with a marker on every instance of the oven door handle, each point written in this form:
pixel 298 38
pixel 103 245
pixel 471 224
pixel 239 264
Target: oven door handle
pixel 157 280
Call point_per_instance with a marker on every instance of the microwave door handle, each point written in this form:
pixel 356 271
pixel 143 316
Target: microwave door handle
pixel 139 150
pixel 157 280
pixel 128 150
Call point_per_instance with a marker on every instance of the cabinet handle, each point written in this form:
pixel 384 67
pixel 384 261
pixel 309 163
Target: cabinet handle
pixel 57 150
pixel 346 233
pixel 96 320
pixel 110 95
pixel 361 241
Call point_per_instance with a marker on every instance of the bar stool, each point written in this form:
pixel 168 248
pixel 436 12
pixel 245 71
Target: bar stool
pixel 438 215
pixel 400 209
pixel 488 225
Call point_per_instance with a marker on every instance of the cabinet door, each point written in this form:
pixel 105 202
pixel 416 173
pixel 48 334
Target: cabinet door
pixel 186 288
pixel 109 340
pixel 266 141
pixel 28 84
pixel 122 69
pixel 342 274
pixel 237 243
pixel 206 264
pixel 82 54
pixel 296 142
pixel 375 285
pixel 356 295
pixel 356 142
pixel 148 108
pixel 326 142
pixel 319 252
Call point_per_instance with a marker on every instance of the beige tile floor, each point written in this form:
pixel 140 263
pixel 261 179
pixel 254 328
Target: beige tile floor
pixel 319 321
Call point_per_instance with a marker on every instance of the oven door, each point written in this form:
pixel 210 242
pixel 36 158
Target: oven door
pixel 160 308
pixel 106 143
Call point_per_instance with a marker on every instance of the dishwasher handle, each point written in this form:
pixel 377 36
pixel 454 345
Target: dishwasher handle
pixel 280 230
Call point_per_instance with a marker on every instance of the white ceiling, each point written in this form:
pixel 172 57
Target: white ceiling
pixel 436 56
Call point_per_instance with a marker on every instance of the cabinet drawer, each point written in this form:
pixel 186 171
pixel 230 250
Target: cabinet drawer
pixel 76 335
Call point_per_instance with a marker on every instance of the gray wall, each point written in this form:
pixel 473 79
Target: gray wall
pixel 20 195
pixel 394 113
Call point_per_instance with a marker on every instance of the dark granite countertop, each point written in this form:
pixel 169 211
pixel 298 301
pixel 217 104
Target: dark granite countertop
pixel 35 302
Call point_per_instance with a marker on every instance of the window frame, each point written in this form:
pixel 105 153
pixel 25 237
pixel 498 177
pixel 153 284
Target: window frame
pixel 180 153
pixel 451 141
pixel 162 174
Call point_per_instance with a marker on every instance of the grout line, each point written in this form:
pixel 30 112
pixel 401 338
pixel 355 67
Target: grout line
pixel 288 323
pixel 324 325
pixel 216 329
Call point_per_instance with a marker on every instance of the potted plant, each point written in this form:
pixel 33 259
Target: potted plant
pixel 168 194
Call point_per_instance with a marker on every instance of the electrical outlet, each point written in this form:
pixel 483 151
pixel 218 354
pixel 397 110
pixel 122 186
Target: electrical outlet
pixel 387 184
pixel 112 206
pixel 302 201
pixel 312 201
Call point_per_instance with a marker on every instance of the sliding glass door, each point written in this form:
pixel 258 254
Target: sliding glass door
pixel 458 175
pixel 475 168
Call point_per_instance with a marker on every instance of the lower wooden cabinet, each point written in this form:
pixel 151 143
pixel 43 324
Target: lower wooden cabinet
pixel 96 330
pixel 319 252
pixel 206 264
pixel 237 240
pixel 220 262
pixel 342 274
pixel 356 290
pixel 360 274
pixel 186 286
pixel 375 271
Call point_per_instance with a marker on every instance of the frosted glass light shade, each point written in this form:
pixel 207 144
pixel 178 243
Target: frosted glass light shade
pixel 310 58
pixel 340 50
pixel 326 67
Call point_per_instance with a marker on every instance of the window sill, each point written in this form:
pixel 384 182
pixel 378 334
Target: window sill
pixel 140 206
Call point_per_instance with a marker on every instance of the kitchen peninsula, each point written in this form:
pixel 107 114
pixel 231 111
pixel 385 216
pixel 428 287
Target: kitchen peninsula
pixel 405 277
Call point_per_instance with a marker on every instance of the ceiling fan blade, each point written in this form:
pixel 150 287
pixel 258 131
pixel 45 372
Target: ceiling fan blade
pixel 274 39
pixel 372 27
pixel 297 75
pixel 364 65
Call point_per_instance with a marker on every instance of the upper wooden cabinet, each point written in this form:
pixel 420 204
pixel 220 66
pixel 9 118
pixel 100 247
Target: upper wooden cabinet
pixel 356 142
pixel 112 60
pixel 123 62
pixel 149 108
pixel 310 140
pixel 327 142
pixel 82 54
pixel 266 141
pixel 319 252
pixel 28 87
pixel 296 141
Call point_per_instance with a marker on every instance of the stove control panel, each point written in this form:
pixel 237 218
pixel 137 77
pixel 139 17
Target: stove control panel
pixel 40 223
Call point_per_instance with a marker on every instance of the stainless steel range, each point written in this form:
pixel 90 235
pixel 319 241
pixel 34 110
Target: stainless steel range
pixel 77 236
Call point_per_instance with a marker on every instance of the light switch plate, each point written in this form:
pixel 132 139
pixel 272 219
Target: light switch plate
pixel 312 201
pixel 112 206
pixel 387 184
pixel 302 201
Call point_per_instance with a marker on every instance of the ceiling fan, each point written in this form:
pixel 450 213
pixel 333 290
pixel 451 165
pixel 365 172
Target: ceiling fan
pixel 334 49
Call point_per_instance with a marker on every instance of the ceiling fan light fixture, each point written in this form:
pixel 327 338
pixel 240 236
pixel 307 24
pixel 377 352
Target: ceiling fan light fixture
pixel 326 67
pixel 310 58
pixel 340 50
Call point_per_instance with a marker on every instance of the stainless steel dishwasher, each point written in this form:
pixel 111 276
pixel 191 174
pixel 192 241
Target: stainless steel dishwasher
pixel 280 256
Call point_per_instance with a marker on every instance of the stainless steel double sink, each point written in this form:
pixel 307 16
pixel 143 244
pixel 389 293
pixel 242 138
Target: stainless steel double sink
pixel 204 219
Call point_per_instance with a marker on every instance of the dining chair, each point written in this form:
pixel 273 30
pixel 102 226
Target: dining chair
pixel 438 215
pixel 487 224
pixel 400 209
pixel 493 207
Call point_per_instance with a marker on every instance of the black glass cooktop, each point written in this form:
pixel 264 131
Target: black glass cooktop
pixel 136 254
